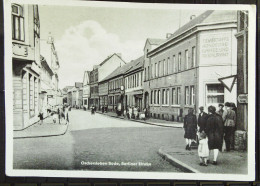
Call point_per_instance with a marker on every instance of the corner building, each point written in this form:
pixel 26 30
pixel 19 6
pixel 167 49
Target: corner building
pixel 184 69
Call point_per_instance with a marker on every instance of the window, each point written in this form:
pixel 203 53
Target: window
pixel 187 59
pixel 167 97
pixel 168 65
pixel 36 20
pixel 159 69
pixel 163 96
pixel 193 63
pixel 17 23
pixel 178 101
pixel 145 75
pixel 164 67
pixel 151 97
pixel 192 95
pixel 187 96
pixel 155 70
pixel 174 63
pixel 148 73
pixel 159 97
pixel 155 97
pixel 142 78
pixel 179 62
pixel 215 94
pixel 152 75
pixel 173 96
pixel 137 79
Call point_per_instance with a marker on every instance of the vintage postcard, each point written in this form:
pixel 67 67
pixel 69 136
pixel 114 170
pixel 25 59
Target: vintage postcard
pixel 130 90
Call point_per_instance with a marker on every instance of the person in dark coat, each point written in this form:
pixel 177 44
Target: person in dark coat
pixel 190 127
pixel 202 119
pixel 214 131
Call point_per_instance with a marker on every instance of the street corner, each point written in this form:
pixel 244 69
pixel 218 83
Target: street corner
pixel 42 130
pixel 168 154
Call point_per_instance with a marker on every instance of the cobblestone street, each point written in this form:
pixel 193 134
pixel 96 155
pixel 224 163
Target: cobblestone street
pixel 101 139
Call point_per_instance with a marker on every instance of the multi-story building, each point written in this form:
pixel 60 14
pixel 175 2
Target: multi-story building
pixel 150 44
pixel 184 70
pixel 49 53
pixel 101 71
pixel 86 89
pixel 45 85
pixel 26 64
pixel 133 78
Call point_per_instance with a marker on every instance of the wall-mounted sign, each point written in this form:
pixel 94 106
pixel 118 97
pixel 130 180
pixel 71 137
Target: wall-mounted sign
pixel 20 50
pixel 242 98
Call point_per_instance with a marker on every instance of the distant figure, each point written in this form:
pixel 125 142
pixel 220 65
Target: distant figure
pixel 41 118
pixel 58 112
pixel 66 113
pixel 190 126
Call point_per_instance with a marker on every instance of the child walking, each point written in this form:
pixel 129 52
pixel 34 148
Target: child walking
pixel 203 149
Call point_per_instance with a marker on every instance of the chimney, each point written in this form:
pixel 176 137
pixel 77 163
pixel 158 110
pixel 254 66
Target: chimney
pixel 192 17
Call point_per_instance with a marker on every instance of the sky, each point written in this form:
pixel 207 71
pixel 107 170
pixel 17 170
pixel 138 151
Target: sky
pixel 85 36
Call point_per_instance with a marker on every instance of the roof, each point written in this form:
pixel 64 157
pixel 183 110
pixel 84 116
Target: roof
pixel 46 65
pixel 210 16
pixel 207 18
pixel 111 57
pixel 154 41
pixel 128 67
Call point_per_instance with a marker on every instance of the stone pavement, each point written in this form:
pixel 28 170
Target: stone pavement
pixel 48 128
pixel 149 121
pixel 232 162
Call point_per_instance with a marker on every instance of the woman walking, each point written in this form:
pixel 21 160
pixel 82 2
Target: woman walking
pixel 214 131
pixel 190 126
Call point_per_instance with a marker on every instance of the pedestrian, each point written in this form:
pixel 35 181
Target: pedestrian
pixel 202 119
pixel 66 113
pixel 214 131
pixel 220 109
pixel 203 149
pixel 58 112
pixel 229 118
pixel 41 117
pixel 232 143
pixel 190 126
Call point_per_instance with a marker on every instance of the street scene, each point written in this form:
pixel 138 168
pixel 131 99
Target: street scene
pixel 92 94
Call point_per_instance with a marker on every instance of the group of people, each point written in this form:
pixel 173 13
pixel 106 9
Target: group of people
pixel 134 112
pixel 210 130
pixel 59 115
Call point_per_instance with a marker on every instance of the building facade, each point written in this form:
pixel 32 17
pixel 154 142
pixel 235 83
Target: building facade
pixel 184 70
pixel 134 84
pixel 26 64
pixel 100 72
pixel 86 90
pixel 50 55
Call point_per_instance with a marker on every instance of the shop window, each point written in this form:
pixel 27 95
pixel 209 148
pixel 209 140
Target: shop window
pixel 215 94
pixel 17 23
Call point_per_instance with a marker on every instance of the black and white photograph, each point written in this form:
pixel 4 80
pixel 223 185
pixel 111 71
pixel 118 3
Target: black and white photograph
pixel 130 90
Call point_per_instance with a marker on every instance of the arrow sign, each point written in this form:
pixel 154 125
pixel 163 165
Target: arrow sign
pixel 228 82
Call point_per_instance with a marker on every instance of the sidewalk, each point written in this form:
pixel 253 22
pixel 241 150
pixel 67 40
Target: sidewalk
pixel 149 121
pixel 47 129
pixel 233 162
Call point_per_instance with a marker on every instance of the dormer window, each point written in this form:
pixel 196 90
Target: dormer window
pixel 17 23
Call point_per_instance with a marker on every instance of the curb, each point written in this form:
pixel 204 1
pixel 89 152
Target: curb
pixel 44 136
pixel 30 125
pixel 176 163
pixel 140 121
